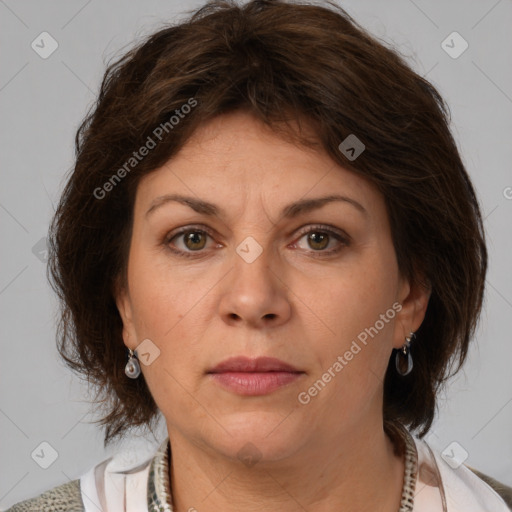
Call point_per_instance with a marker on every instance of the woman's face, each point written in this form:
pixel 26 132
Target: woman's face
pixel 251 258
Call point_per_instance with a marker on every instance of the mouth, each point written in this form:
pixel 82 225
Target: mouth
pixel 253 377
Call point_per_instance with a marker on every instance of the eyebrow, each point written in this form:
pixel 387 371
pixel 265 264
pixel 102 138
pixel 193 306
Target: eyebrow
pixel 289 211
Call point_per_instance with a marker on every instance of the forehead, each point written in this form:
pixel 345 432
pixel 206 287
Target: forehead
pixel 237 155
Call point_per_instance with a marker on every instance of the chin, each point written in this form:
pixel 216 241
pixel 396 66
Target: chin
pixel 258 436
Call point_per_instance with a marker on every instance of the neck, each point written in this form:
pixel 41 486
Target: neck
pixel 355 471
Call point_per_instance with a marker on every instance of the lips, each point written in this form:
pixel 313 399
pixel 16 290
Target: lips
pixel 261 364
pixel 254 377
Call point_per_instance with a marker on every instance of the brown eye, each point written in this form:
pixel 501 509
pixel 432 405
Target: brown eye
pixel 194 240
pixel 188 241
pixel 318 240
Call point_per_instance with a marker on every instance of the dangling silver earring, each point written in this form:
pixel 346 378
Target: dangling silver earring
pixel 403 358
pixel 132 368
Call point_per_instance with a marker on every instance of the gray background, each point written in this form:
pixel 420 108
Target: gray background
pixel 42 102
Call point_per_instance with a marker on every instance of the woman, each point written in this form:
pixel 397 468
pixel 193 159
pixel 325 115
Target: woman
pixel 270 238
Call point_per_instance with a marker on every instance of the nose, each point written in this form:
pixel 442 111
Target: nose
pixel 254 294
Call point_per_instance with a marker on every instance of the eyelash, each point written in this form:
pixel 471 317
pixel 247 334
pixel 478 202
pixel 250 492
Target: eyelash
pixel 318 228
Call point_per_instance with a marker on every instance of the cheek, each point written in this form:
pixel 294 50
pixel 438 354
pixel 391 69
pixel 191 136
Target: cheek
pixel 357 306
pixel 161 296
pixel 351 363
pixel 171 308
pixel 356 297
pixel 163 311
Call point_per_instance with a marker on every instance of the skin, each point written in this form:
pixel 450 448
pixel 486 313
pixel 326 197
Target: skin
pixel 295 301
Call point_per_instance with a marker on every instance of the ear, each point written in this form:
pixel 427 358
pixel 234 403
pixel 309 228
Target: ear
pixel 413 296
pixel 124 306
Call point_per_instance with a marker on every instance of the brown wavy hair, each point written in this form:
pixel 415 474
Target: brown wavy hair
pixel 283 62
